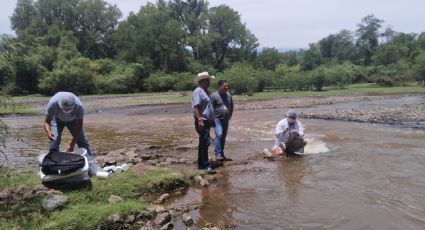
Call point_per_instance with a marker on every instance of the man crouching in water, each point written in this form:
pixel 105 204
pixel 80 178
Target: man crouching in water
pixel 289 135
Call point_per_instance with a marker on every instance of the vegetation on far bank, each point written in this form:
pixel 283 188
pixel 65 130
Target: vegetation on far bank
pixel 87 207
pixel 82 46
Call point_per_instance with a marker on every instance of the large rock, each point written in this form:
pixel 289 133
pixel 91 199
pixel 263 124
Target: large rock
pixel 118 157
pixel 187 219
pixel 53 202
pixel 163 218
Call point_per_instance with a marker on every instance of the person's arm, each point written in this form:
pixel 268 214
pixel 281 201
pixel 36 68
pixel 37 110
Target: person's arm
pixel 300 130
pixel 231 107
pixel 198 114
pixel 48 128
pixel 76 134
pixel 280 129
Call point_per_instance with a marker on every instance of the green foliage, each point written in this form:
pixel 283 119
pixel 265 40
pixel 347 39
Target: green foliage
pixel 268 58
pixel 367 42
pixel 79 45
pixel 228 34
pixel 318 78
pixel 340 75
pixel 71 75
pixel 242 79
pixel 419 67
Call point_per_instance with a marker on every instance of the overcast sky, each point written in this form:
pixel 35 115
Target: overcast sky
pixel 294 24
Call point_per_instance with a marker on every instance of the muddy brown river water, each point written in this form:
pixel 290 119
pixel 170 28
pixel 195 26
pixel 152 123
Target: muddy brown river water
pixel 353 175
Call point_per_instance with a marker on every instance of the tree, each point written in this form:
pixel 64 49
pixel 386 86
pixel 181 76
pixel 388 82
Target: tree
pixel 268 58
pixel 419 67
pixel 368 38
pixel 193 16
pixel 71 71
pixel 227 34
pixel 338 46
pixel 311 58
pixel 153 34
pixel 91 21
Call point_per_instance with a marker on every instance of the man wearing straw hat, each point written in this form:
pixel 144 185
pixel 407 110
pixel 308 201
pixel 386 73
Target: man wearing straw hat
pixel 203 112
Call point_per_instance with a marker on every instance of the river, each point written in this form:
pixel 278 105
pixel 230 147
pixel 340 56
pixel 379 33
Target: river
pixel 353 175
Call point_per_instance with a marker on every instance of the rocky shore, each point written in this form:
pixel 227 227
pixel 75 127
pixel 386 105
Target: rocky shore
pixel 407 115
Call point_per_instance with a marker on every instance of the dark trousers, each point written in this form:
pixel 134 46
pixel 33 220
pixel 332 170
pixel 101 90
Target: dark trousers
pixel 204 143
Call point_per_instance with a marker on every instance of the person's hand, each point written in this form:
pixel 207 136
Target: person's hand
pixel 70 149
pixel 50 136
pixel 200 124
pixel 277 150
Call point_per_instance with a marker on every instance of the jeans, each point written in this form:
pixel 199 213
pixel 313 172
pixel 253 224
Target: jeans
pixel 82 142
pixel 204 143
pixel 221 127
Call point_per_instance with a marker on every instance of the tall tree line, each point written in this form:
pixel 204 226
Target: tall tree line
pixel 85 46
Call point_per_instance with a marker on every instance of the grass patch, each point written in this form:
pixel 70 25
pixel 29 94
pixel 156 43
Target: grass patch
pixel 11 179
pixel 351 90
pixel 88 207
pixel 9 105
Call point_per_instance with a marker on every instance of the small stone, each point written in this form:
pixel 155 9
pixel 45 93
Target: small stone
pixel 167 226
pixel 214 228
pixel 162 218
pixel 115 199
pixel 148 226
pixel 130 219
pixel 157 209
pixel 209 225
pixel 144 216
pixel 53 202
pixel 162 198
pixel 198 179
pixel 187 219
pixel 173 213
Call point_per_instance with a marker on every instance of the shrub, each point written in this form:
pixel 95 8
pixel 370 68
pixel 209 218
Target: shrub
pixel 73 75
pixel 241 79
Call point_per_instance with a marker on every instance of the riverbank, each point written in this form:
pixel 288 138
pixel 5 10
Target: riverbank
pixel 32 105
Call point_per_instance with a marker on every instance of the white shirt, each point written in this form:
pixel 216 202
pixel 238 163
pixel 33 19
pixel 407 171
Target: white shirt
pixel 283 128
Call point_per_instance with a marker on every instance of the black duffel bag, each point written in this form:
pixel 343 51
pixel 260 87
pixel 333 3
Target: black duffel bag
pixel 61 163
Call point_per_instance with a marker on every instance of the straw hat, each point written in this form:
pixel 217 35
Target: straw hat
pixel 204 75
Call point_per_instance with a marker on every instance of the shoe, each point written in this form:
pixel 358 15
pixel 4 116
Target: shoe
pixel 210 170
pixel 219 158
pixel 227 158
pixel 216 164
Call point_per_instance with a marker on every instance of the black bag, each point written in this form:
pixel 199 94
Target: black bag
pixel 61 163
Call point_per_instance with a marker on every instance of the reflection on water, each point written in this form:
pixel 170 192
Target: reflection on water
pixel 357 176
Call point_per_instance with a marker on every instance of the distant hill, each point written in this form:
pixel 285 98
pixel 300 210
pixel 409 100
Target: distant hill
pixel 282 50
